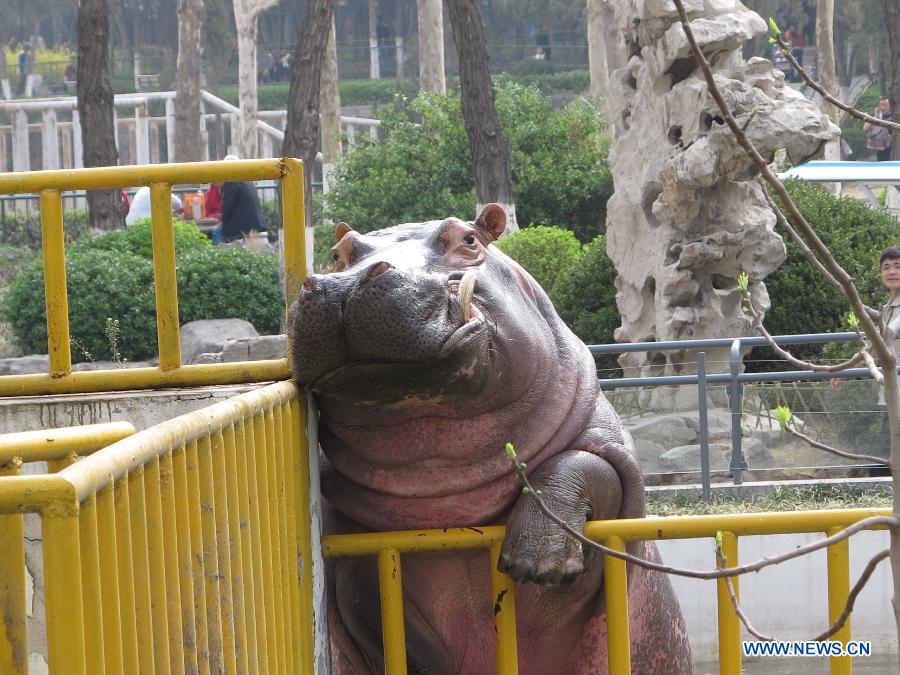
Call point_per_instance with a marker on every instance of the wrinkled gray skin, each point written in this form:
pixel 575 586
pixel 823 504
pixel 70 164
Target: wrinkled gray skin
pixel 418 398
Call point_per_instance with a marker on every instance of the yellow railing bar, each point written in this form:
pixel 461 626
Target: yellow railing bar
pixel 52 444
pixel 167 324
pixel 145 378
pixel 185 559
pixel 25 494
pixel 111 177
pixel 56 300
pixel 504 598
pixel 65 614
pixel 615 584
pixel 298 411
pixel 838 590
pixel 729 623
pixel 109 589
pixel 163 648
pixel 13 615
pixel 140 557
pixel 390 583
pixel 293 227
pixel 94 649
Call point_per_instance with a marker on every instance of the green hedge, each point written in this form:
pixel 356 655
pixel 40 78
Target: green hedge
pixel 137 239
pixel 543 251
pixel 112 277
pixel 23 228
pixel 802 300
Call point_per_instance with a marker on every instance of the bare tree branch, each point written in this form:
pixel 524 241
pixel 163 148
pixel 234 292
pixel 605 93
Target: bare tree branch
pixel 834 451
pixel 855 360
pixel 833 628
pixel 821 91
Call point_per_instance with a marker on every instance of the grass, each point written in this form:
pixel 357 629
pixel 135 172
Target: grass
pixel 787 498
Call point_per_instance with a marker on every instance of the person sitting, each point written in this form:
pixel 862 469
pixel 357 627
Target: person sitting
pixel 241 211
pixel 878 138
pixel 140 206
pixel 214 201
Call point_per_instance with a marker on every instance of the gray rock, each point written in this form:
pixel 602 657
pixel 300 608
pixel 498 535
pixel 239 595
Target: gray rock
pixel 687 457
pixel 109 365
pixel 648 454
pixel 210 335
pixel 687 214
pixel 255 349
pixel 664 430
pixel 25 365
pixel 209 357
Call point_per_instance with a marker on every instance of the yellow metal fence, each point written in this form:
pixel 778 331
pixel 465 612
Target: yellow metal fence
pixel 170 372
pixel 183 548
pixel 388 547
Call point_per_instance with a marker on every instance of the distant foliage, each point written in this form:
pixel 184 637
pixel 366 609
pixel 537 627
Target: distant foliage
pixel 421 170
pixel 23 228
pixel 112 277
pixel 543 251
pixel 802 300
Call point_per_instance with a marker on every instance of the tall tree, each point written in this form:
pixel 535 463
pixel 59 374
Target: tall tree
pixel 95 108
pixel 301 132
pixel 597 63
pixel 431 47
pixel 892 20
pixel 246 19
pixel 489 147
pixel 825 67
pixel 187 82
pixel 5 89
pixel 330 105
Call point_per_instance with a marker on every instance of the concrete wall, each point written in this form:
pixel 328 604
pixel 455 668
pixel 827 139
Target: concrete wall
pixel 787 601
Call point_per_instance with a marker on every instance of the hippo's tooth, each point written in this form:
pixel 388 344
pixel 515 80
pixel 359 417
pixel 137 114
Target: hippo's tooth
pixel 466 290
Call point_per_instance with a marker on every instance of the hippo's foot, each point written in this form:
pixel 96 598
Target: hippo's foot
pixel 576 486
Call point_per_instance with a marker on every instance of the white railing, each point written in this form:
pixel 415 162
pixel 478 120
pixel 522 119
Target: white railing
pixel 140 137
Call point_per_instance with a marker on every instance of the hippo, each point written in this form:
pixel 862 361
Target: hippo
pixel 428 350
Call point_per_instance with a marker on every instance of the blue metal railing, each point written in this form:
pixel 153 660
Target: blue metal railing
pixel 734 379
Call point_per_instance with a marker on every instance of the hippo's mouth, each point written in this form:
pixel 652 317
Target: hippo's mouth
pixel 461 288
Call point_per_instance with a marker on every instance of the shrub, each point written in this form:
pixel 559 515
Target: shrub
pixel 353 92
pixel 101 284
pixel 137 239
pixel 19 228
pixel 422 171
pixel 802 300
pixel 543 251
pixel 215 283
pixel 107 279
pixel 585 297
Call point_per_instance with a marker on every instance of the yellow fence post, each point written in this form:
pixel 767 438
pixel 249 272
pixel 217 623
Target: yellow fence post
pixel 293 215
pixel 729 623
pixel 390 582
pixel 504 598
pixel 62 585
pixel 13 616
pixel 300 475
pixel 57 302
pixel 167 326
pixel 615 582
pixel 838 590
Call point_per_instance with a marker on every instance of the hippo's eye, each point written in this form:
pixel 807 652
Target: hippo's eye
pixel 335 256
pixel 469 239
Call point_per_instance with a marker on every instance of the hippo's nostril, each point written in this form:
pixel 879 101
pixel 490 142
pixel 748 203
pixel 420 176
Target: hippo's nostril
pixel 377 269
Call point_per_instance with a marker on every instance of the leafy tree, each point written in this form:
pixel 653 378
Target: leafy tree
pixel 421 169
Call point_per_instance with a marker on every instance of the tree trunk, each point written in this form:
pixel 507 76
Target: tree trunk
pixel 892 20
pixel 431 47
pixel 187 82
pixel 596 34
pixel 374 56
pixel 301 132
pixel 330 104
pixel 827 73
pixel 95 108
pixel 5 89
pixel 488 145
pixel 246 20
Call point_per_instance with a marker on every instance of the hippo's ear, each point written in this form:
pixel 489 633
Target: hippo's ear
pixel 492 220
pixel 340 231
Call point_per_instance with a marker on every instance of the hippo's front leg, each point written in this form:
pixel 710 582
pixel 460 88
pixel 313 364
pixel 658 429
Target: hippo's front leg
pixel 577 486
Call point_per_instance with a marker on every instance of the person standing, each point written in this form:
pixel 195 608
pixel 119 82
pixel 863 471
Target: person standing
pixel 878 138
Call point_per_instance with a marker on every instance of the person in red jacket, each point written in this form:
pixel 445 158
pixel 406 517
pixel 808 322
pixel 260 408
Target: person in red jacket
pixel 214 202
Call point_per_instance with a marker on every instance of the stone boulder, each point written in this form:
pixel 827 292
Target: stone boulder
pixel 688 214
pixel 255 349
pixel 25 365
pixel 210 335
pixel 687 457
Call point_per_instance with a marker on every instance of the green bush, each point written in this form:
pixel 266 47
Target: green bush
pixel 137 239
pixel 215 283
pixel 802 300
pixel 101 284
pixel 112 277
pixel 544 251
pixel 585 297
pixel 422 169
pixel 353 92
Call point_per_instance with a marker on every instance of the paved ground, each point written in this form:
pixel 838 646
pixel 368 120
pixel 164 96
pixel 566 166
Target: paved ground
pixel 874 665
